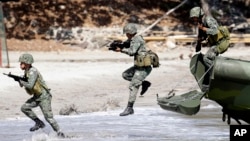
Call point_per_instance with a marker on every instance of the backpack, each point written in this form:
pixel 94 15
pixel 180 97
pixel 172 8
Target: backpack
pixel 224 31
pixel 154 59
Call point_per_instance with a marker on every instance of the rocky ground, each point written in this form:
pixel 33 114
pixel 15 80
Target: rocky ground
pixel 32 19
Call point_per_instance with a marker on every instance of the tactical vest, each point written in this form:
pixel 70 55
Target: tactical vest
pixel 147 59
pixel 38 86
pixel 223 34
pixel 142 60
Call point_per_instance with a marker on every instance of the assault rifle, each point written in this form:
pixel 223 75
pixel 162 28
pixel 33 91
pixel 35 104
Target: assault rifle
pixel 118 43
pixel 16 78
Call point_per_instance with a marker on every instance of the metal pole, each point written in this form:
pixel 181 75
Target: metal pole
pixel 3 44
pixel 1 65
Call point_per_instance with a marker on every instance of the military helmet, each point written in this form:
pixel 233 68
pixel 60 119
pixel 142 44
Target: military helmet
pixel 129 28
pixel 196 12
pixel 26 58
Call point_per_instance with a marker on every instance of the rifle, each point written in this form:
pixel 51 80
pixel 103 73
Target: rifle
pixel 118 43
pixel 16 78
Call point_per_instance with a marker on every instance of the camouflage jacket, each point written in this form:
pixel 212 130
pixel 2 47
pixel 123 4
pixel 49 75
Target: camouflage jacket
pixel 35 84
pixel 137 46
pixel 212 27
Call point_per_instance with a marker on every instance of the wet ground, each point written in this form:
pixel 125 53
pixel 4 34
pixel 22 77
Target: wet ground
pixel 147 124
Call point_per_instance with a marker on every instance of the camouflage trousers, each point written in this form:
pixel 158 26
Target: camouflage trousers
pixel 44 102
pixel 210 56
pixel 136 76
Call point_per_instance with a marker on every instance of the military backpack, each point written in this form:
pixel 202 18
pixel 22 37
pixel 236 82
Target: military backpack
pixel 154 59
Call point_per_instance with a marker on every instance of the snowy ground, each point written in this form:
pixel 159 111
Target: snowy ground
pixel 91 82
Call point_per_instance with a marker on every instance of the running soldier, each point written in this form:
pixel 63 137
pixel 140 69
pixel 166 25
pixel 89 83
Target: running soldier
pixel 41 96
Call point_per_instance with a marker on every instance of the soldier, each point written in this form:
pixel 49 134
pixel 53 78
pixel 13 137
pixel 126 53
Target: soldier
pixel 209 30
pixel 36 86
pixel 217 36
pixel 137 73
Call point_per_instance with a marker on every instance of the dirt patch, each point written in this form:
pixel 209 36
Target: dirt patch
pixel 38 45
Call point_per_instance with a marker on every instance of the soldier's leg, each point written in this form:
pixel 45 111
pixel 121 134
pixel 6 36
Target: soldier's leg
pixel 146 84
pixel 129 73
pixel 27 110
pixel 210 56
pixel 136 82
pixel 133 89
pixel 45 106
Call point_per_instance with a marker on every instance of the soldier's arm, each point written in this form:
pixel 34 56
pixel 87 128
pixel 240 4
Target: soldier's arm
pixel 134 46
pixel 212 28
pixel 33 75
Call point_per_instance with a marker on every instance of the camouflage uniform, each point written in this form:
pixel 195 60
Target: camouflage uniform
pixel 136 75
pixel 217 46
pixel 36 86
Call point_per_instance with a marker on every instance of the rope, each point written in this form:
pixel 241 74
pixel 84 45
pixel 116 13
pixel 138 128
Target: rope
pixel 173 89
pixel 205 73
pixel 166 14
pixel 171 92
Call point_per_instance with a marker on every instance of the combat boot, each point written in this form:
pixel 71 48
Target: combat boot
pixel 38 124
pixel 129 110
pixel 60 134
pixel 145 86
